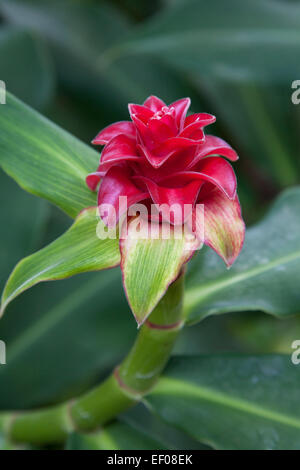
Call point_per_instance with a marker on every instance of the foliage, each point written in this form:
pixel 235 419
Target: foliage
pixel 79 63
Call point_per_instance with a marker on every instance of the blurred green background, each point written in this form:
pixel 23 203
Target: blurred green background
pixel 80 63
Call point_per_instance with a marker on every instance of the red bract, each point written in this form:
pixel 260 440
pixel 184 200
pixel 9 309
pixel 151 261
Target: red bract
pixel 163 157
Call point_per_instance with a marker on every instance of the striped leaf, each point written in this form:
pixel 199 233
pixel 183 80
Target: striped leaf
pixel 229 402
pixel 79 250
pixel 44 159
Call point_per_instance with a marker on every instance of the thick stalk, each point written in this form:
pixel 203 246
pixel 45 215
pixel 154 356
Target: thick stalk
pixel 130 381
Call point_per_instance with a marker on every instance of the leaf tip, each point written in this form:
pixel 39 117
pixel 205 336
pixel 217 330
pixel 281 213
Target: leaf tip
pixel 2 309
pixel 139 318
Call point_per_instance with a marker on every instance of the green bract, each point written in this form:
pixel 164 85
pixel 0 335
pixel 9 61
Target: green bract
pixel 150 265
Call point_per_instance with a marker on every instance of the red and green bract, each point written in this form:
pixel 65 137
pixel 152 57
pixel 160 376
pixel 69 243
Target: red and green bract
pixel 163 156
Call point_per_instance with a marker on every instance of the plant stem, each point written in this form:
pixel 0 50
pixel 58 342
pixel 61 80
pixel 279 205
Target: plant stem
pixel 130 381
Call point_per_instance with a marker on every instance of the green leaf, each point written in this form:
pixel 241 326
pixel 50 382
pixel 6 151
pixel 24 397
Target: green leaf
pixel 58 335
pixel 20 235
pixel 6 445
pixel 261 333
pixel 150 262
pixel 265 275
pixel 116 436
pixel 78 33
pixel 30 75
pixel 262 122
pixel 232 402
pixel 79 250
pixel 59 339
pixel 44 18
pixel 170 437
pixel 44 159
pixel 207 37
pixel 5 442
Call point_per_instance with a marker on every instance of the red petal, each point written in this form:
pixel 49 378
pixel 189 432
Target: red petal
pixel 214 170
pixel 105 166
pixel 178 162
pixel 173 196
pixel 224 228
pixel 214 146
pixel 116 183
pixel 174 144
pixel 194 132
pixel 109 132
pixel 201 118
pixel 219 172
pixel 144 133
pixel 154 103
pixel 193 125
pixel 181 108
pixel 93 179
pixel 141 112
pixel 160 130
pixel 120 148
pixel 161 154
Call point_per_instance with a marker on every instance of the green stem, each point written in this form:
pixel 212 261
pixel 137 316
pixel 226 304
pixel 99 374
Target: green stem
pixel 130 381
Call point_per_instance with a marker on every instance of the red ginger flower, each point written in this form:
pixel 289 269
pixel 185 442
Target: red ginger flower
pixel 164 157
